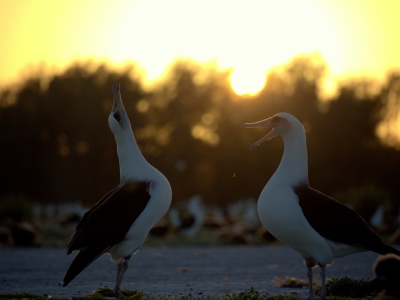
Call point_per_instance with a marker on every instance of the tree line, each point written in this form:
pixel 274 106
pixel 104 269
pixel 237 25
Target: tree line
pixel 56 145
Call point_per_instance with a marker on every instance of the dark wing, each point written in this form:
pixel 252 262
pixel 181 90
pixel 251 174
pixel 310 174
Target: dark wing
pixel 82 222
pixel 337 222
pixel 82 260
pixel 106 224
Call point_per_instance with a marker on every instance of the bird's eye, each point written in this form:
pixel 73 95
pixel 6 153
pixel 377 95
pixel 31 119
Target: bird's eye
pixel 276 119
pixel 117 116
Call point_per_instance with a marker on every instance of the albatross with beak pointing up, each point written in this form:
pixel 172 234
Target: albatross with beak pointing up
pixel 119 223
pixel 317 226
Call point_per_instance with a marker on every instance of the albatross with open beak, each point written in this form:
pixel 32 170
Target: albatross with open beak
pixel 317 226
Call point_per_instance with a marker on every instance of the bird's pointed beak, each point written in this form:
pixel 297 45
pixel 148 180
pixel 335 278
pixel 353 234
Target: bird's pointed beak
pixel 263 123
pixel 117 102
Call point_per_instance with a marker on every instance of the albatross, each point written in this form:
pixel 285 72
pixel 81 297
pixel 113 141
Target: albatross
pixel 387 271
pixel 119 223
pixel 314 224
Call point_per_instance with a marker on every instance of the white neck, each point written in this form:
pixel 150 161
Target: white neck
pixel 293 168
pixel 132 164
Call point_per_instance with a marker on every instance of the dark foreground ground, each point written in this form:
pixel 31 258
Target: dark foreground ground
pixel 170 271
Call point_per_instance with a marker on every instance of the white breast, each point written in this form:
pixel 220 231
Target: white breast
pixel 281 214
pixel 161 194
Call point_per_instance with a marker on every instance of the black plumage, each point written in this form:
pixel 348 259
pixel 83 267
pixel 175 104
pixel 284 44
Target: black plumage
pixel 106 224
pixel 337 222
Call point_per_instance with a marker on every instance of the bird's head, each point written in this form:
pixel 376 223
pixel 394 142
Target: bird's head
pixel 118 119
pixel 388 266
pixel 282 123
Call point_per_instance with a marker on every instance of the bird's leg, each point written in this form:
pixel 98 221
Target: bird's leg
pixel 121 271
pixel 310 287
pixel 323 282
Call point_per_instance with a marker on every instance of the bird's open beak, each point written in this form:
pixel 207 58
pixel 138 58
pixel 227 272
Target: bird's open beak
pixel 117 103
pixel 263 123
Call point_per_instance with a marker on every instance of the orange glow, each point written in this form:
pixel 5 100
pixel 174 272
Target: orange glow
pixel 355 38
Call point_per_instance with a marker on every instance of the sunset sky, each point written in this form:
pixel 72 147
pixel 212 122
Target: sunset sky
pixel 355 38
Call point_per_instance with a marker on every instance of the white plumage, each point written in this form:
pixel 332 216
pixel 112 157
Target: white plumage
pixel 119 223
pixel 310 222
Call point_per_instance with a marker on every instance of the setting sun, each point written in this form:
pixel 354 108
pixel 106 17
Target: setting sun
pixel 248 37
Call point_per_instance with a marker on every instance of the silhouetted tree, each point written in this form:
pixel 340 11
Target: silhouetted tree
pixel 56 144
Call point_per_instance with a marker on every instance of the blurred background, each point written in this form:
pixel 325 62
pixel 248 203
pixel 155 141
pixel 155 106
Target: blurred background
pixel 191 73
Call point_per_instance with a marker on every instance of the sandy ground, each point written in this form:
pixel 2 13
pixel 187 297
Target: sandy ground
pixel 170 271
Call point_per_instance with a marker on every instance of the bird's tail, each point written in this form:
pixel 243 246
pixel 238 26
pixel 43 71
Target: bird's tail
pixel 82 260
